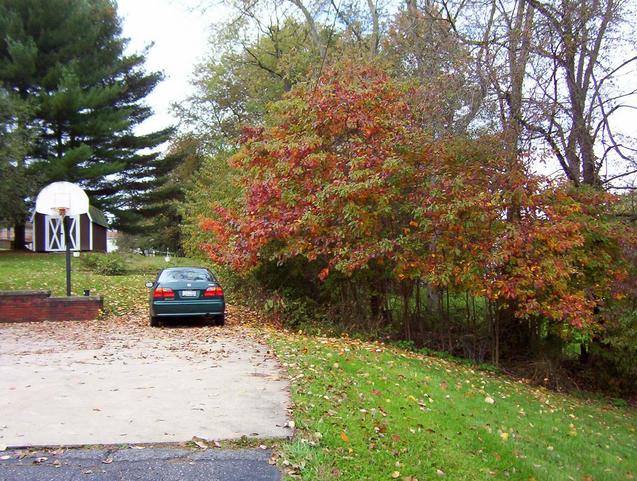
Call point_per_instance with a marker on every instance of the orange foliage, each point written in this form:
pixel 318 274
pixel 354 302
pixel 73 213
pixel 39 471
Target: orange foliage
pixel 346 175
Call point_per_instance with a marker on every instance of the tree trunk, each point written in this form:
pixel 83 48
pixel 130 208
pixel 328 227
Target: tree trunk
pixel 584 354
pixel 407 288
pixel 19 236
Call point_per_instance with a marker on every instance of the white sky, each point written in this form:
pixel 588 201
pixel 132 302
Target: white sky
pixel 179 30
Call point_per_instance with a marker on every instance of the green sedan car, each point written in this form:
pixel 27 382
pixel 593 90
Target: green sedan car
pixel 186 292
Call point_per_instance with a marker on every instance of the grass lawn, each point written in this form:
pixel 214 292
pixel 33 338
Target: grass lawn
pixel 19 271
pixel 370 412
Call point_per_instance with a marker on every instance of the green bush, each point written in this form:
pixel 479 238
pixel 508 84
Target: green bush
pixel 112 264
pixel 89 260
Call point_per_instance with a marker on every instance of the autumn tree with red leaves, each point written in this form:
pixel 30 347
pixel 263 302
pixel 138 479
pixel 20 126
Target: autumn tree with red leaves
pixel 343 176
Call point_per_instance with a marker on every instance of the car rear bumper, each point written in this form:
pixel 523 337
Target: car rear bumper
pixel 193 307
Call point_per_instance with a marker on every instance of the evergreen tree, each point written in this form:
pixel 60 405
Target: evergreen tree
pixel 66 57
pixel 155 219
pixel 15 140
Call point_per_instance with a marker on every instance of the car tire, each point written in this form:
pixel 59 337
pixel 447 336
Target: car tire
pixel 221 320
pixel 154 321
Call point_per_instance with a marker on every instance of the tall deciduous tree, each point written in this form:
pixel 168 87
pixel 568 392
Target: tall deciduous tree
pixel 67 58
pixel 422 46
pixel 244 73
pixel 583 45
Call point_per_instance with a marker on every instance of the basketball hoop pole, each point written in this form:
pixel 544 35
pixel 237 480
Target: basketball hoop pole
pixel 66 221
pixel 61 211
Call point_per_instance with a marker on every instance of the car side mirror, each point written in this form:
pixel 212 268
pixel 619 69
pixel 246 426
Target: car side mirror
pixel 149 284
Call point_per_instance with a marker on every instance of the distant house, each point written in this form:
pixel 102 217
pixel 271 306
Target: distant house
pixel 111 240
pixel 88 232
pixel 7 236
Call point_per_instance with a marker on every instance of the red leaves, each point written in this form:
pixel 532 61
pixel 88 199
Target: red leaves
pixel 324 273
pixel 346 175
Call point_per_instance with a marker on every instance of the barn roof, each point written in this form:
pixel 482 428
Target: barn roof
pixel 97 216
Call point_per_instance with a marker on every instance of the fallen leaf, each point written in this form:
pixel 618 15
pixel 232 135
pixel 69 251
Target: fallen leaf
pixel 107 460
pixel 489 400
pixel 440 472
pixel 395 475
pixel 344 437
pixel 444 385
pixel 199 442
pixel 504 435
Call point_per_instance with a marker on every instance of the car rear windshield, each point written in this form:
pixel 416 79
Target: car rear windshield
pixel 186 275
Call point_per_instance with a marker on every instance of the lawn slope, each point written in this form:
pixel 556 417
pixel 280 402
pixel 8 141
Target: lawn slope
pixel 370 412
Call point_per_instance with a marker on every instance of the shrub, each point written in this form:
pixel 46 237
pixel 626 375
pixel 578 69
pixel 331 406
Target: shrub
pixel 89 260
pixel 112 264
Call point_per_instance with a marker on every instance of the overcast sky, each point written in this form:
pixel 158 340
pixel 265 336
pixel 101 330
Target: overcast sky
pixel 179 31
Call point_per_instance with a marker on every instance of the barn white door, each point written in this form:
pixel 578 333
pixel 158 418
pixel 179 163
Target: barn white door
pixel 55 234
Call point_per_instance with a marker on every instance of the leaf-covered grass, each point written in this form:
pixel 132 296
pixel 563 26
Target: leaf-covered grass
pixel 20 271
pixel 366 411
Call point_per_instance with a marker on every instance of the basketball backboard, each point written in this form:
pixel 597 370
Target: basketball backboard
pixel 62 199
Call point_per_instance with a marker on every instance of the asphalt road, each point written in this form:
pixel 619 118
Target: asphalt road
pixel 149 464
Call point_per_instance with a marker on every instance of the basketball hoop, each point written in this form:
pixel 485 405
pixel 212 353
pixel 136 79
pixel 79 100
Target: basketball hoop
pixel 59 211
pixel 63 200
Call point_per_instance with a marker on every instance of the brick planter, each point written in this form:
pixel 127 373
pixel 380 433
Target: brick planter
pixel 25 306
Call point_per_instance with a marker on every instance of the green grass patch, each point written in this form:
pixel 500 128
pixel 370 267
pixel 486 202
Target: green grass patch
pixel 122 293
pixel 366 411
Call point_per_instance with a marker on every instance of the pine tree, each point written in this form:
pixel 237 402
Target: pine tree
pixel 14 143
pixel 66 57
pixel 157 218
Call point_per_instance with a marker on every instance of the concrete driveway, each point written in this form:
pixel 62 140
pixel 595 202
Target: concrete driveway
pixel 119 381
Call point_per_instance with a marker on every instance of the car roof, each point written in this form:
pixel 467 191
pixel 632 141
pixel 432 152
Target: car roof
pixel 184 268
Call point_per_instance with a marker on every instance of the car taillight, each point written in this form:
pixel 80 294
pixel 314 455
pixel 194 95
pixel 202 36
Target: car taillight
pixel 213 292
pixel 163 293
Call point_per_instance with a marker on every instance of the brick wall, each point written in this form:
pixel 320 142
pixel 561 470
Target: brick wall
pixel 21 306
